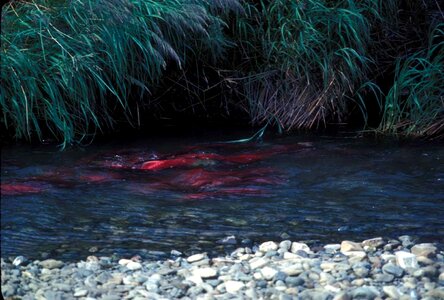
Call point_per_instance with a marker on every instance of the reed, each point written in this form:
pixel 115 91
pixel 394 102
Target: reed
pixel 414 105
pixel 307 62
pixel 69 67
pixel 73 68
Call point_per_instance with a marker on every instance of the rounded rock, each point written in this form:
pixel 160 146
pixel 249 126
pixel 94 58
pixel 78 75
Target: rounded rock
pixel 233 287
pixel 268 246
pixel 196 257
pixel 268 273
pixel 205 272
pixel 133 265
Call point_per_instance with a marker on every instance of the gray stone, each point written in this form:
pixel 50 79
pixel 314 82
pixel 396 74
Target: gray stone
pixel 285 245
pixel 367 293
pixel 437 293
pixel 268 273
pixel 51 264
pixel 80 292
pixel 332 248
pixel 373 243
pixel 383 277
pixel 406 260
pixel 133 265
pixel 271 253
pixel 441 277
pixel 315 294
pixel 196 257
pixel 342 296
pixel 294 281
pixel 280 276
pixel 406 241
pixel 63 287
pixel 347 246
pixel 294 269
pixel 205 272
pixel 234 286
pixel 393 269
pixel 295 246
pixel 330 266
pixel 361 269
pixel 8 290
pixel 268 246
pixel 261 284
pixel 429 271
pixel 258 262
pixel 426 250
pixel 391 291
pixel 53 295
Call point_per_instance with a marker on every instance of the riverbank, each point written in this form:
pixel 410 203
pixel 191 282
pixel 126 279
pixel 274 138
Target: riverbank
pixel 372 269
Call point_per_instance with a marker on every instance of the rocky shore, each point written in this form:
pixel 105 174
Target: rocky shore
pixel 372 269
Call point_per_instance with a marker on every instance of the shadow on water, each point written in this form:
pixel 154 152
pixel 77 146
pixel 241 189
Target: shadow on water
pixel 73 203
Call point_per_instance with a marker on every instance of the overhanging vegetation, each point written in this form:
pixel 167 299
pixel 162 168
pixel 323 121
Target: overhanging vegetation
pixel 70 68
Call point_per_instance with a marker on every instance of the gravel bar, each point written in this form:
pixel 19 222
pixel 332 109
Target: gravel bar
pixel 372 269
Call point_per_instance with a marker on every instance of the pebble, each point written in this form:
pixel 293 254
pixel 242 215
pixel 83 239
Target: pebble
pixel 365 293
pixel 391 291
pixel 332 247
pixel 124 261
pixel 196 257
pixel 293 269
pixel 51 264
pixel 233 286
pixel 393 269
pixel 133 265
pixel 373 243
pixel 285 270
pixel 425 250
pixel 268 273
pixel 406 260
pixel 347 246
pixel 285 245
pixel 256 263
pixel 268 246
pixel 295 247
pixel 80 293
pixel 205 272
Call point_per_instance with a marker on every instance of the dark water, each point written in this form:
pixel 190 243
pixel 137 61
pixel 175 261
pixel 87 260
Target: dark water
pixel 338 188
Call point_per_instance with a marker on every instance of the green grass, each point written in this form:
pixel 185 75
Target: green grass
pixel 69 67
pixel 414 105
pixel 307 61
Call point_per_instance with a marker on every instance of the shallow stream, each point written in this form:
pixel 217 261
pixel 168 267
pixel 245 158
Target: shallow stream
pixel 71 204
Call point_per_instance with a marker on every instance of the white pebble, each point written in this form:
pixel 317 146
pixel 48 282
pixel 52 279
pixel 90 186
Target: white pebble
pixel 233 286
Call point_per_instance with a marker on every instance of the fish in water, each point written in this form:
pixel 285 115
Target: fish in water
pixel 12 189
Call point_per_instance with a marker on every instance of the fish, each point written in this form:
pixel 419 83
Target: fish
pixel 12 189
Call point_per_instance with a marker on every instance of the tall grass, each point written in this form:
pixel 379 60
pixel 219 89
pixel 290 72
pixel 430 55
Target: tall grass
pixel 69 67
pixel 414 105
pixel 310 60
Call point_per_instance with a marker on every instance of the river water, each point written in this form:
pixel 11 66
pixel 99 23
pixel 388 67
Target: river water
pixel 98 200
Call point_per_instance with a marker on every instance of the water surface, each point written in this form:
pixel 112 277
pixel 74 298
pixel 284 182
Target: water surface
pixel 326 191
